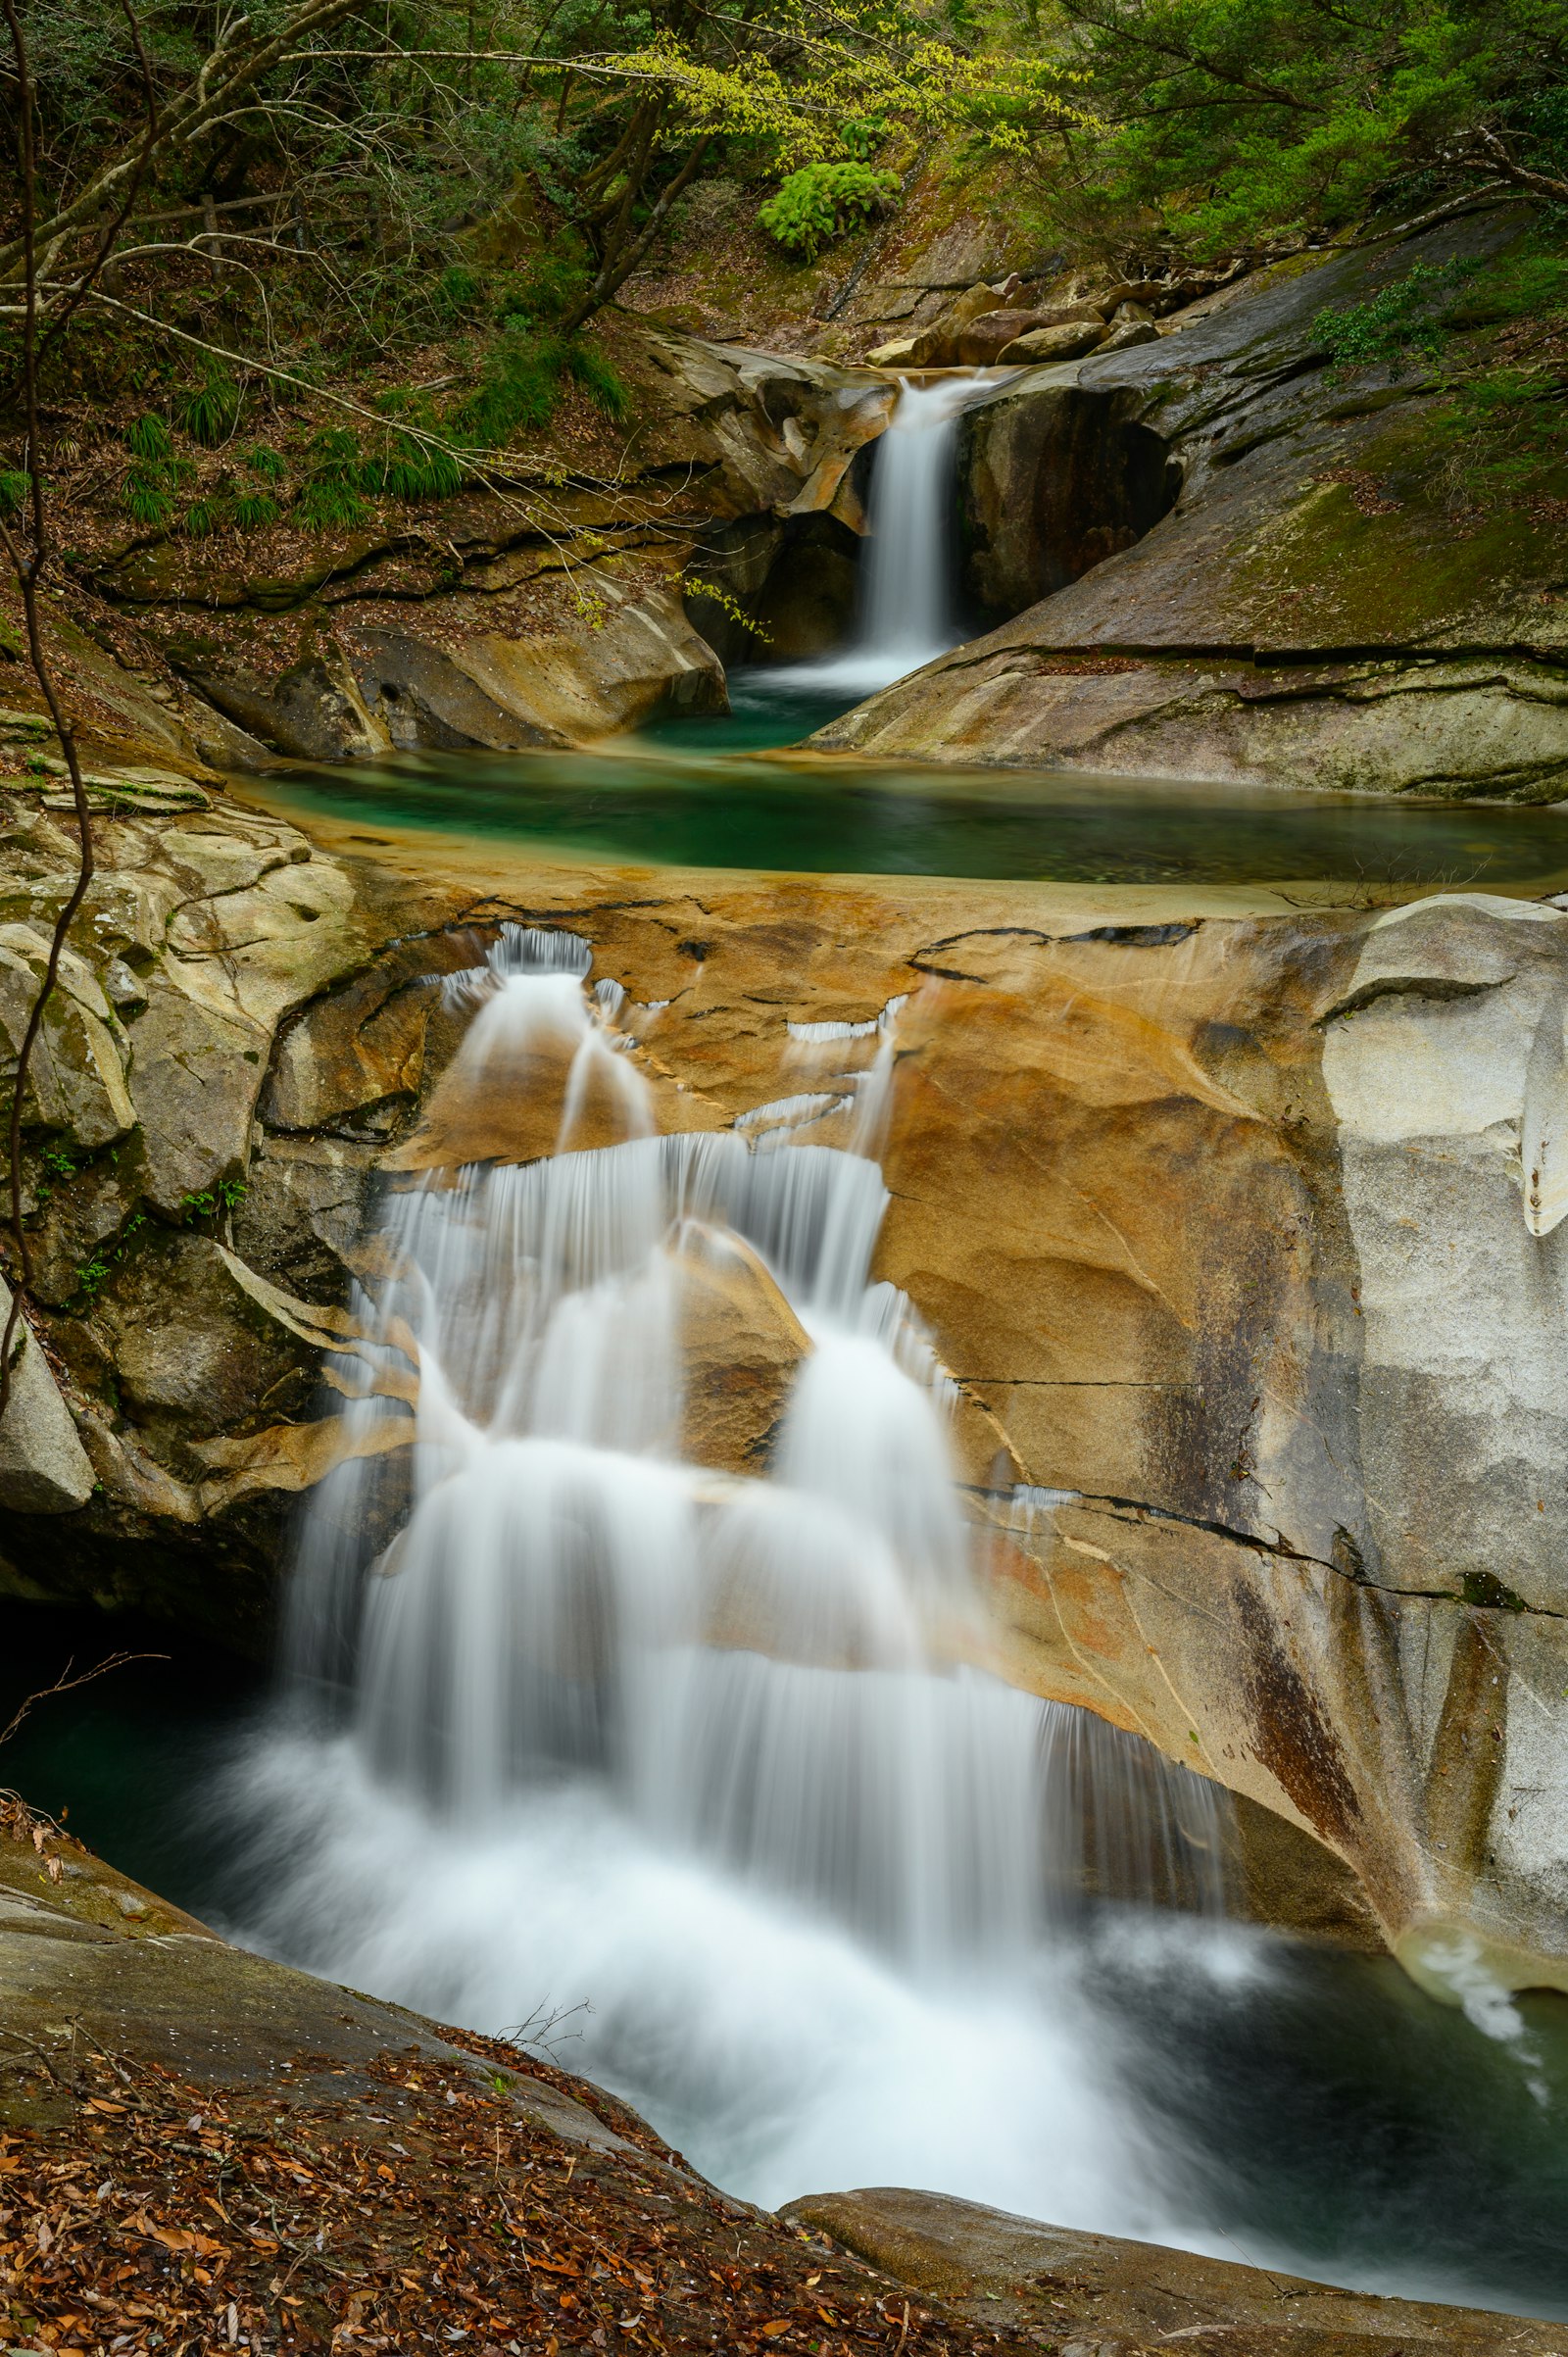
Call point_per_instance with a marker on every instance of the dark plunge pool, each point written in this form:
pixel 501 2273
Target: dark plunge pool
pixel 719 793
pixel 1292 2105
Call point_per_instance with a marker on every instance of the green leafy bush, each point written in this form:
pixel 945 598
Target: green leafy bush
pixel 210 413
pixel 254 511
pixel 821 201
pixel 863 135
pixel 15 488
pixel 331 495
pixel 1401 322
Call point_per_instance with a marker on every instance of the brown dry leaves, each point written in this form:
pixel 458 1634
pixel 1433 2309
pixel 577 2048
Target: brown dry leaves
pixel 402 2207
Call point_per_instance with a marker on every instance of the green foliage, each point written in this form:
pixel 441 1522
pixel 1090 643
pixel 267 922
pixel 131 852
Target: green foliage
pixel 254 511
pixel 204 516
pixel 268 464
pixel 331 497
pixel 460 293
pixel 520 388
pixel 554 279
pixel 1229 123
pixel 821 201
pixel 15 488
pixel 522 383
pixel 56 1162
pixel 212 1203
pixel 93 1274
pixel 210 413
pixel 1402 322
pixel 148 440
pixel 592 368
pixel 413 469
pixel 726 600
pixel 153 475
pixel 862 135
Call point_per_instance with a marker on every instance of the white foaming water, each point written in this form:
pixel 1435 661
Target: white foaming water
pixel 711 1753
pixel 905 612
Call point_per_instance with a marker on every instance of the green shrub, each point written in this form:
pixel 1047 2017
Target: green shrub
pixel 821 201
pixel 270 464
pixel 210 413
pixel 254 511
pixel 1401 322
pixel 15 488
pixel 863 135
pixel 331 499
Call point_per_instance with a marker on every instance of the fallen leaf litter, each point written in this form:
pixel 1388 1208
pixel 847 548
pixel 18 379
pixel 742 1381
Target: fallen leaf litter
pixel 145 2212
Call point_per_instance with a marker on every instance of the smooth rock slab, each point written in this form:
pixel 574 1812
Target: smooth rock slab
pixel 1099 2297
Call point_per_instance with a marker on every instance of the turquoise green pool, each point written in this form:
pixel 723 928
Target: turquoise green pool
pixel 723 793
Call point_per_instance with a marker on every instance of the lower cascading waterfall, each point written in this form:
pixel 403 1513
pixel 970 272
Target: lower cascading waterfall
pixel 704 1738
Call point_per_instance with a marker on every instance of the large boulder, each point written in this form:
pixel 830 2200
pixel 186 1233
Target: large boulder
pixel 43 1467
pixel 1001 2271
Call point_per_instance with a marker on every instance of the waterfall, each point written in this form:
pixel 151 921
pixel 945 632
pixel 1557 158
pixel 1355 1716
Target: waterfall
pixel 906 606
pixel 635 1719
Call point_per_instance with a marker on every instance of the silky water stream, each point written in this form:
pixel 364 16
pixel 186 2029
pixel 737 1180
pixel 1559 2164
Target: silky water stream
pixel 714 1756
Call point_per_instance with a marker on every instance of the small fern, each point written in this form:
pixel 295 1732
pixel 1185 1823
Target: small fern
pixel 204 516
pixel 149 439
pixel 210 413
pixel 15 489
pixel 254 511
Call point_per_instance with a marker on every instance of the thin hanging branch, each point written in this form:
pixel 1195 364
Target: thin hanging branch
pixel 28 554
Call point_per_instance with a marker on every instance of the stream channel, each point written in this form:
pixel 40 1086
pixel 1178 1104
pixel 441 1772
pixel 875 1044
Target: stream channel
pixel 828 1917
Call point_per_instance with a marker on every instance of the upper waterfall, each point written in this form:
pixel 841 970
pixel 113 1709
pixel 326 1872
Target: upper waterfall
pixel 906 610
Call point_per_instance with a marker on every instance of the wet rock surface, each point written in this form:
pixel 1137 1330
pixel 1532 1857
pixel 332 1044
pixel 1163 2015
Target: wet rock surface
pixel 1311 611
pixel 1095 2295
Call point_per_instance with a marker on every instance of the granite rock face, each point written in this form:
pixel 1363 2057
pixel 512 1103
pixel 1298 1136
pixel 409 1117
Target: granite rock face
pixel 1241 1235
pixel 1313 610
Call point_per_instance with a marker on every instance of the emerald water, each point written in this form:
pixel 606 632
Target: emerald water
pixel 680 808
pixel 723 793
